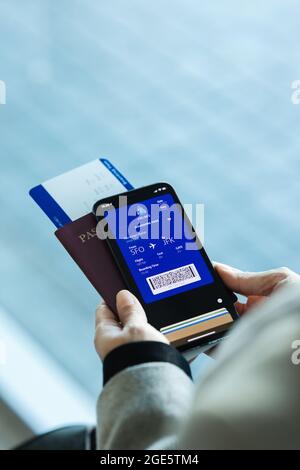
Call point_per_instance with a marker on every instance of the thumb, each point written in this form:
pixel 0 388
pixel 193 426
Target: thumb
pixel 129 308
pixel 248 283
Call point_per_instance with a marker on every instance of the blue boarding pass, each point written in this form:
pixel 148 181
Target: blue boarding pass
pixel 69 196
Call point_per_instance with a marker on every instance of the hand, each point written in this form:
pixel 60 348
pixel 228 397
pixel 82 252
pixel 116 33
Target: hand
pixel 255 286
pixel 129 325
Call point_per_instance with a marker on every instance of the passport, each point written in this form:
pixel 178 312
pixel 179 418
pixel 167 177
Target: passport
pixel 67 200
pixel 93 257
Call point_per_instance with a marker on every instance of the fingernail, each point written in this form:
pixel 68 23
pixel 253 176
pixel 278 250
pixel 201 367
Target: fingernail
pixel 223 266
pixel 125 297
pixel 226 267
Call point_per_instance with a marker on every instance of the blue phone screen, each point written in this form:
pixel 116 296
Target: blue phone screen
pixel 159 248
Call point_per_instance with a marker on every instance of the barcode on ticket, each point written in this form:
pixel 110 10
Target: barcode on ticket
pixel 174 278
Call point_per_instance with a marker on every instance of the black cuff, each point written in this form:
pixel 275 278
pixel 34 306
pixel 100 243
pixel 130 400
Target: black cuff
pixel 141 352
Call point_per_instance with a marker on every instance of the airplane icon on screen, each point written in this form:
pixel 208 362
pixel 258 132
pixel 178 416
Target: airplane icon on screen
pixel 152 245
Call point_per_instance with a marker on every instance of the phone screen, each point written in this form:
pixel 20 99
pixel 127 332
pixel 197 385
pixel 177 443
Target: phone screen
pixel 163 261
pixel 162 266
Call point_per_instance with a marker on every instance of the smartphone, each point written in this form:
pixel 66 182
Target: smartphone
pixel 163 262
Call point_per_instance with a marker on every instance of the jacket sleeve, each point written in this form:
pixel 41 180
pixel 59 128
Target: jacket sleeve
pixel 248 399
pixel 147 391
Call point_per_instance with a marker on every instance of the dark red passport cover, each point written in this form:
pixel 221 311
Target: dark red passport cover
pixel 93 256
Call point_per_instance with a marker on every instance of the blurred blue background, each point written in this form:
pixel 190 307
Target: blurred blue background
pixel 194 93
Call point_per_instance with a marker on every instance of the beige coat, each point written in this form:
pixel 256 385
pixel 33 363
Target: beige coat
pixel 250 398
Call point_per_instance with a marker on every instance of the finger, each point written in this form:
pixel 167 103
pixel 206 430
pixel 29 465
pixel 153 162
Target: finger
pixel 105 315
pixel 248 283
pixel 216 264
pixel 240 307
pixel 254 300
pixel 129 308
